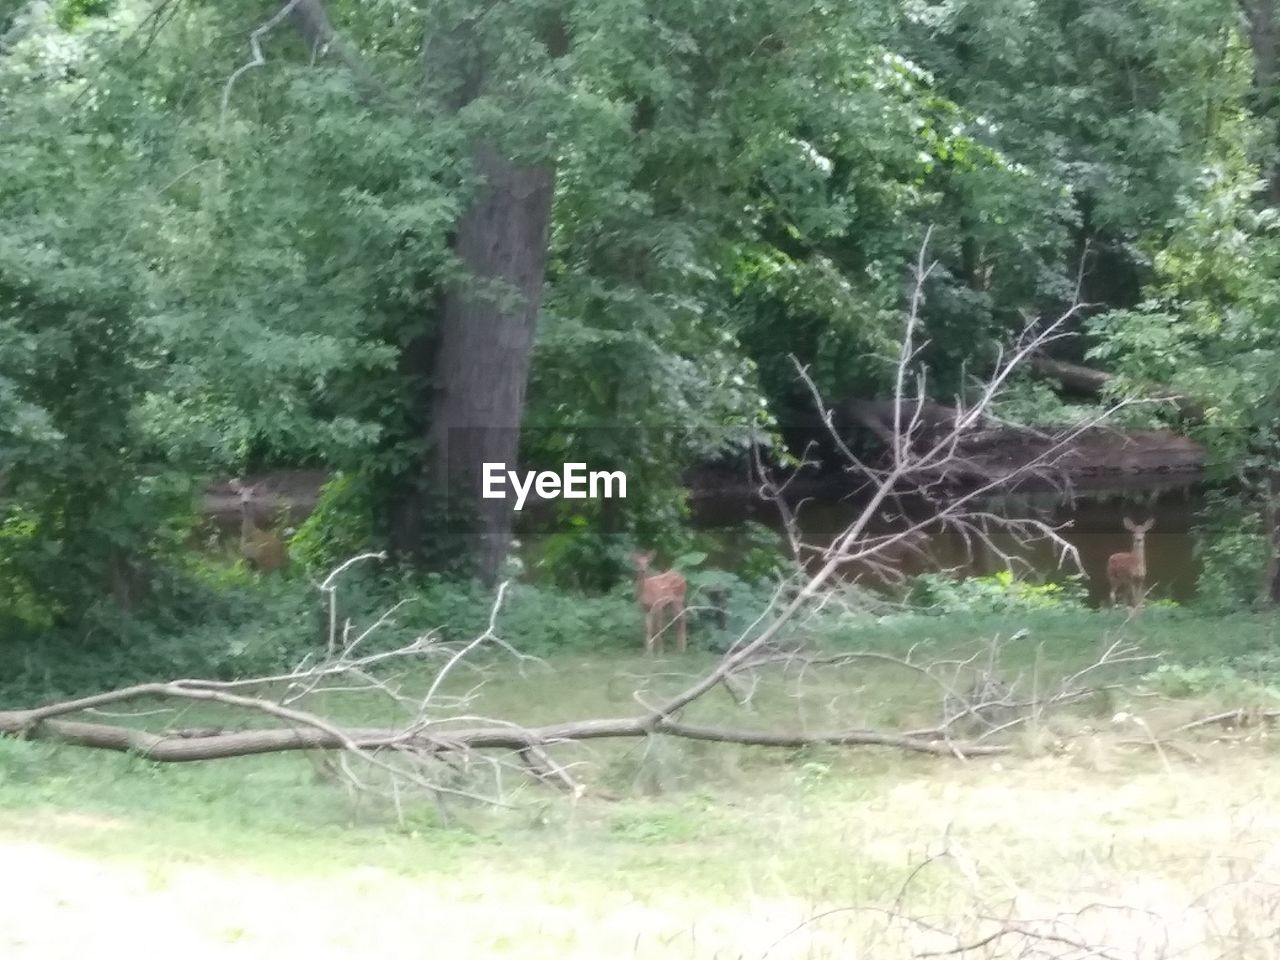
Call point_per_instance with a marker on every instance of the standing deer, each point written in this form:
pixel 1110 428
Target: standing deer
pixel 658 592
pixel 263 550
pixel 1129 570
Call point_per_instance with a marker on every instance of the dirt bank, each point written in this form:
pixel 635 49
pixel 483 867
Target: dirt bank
pixel 1098 459
pixel 1093 458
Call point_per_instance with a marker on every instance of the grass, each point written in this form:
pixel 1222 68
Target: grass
pixel 713 851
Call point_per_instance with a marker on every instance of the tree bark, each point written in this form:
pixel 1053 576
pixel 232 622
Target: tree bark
pixel 1090 382
pixel 1259 18
pixel 477 356
pixel 214 744
pixel 1071 376
pixel 311 20
pixel 474 361
pixel 1260 29
pixel 1269 589
pixel 485 347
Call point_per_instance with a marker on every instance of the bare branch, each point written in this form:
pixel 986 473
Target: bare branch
pixel 255 48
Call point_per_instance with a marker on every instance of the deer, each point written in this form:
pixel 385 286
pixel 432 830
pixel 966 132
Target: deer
pixel 1129 570
pixel 657 592
pixel 263 550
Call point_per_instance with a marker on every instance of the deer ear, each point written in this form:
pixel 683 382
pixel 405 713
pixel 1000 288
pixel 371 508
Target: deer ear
pixel 1128 525
pixel 1148 525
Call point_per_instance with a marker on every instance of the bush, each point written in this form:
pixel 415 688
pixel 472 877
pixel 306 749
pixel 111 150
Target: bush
pixel 338 527
pixel 251 626
pixel 1182 682
pixel 1231 552
pixel 1001 592
pixel 243 629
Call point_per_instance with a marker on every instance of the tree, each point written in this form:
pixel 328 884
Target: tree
pixel 79 500
pixel 697 130
pixel 1207 322
pixel 1116 101
pixel 501 231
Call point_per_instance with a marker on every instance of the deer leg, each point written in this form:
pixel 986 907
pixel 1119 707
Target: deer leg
pixel 682 636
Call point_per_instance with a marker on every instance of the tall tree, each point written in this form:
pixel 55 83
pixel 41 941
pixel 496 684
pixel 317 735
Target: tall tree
pixel 487 316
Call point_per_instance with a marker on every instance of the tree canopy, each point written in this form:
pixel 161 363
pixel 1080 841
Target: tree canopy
pixel 244 233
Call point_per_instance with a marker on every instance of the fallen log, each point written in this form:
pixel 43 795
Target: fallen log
pixel 1089 382
pixel 992 450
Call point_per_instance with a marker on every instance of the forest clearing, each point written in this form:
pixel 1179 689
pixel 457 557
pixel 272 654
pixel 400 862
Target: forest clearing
pixel 653 478
pixel 703 850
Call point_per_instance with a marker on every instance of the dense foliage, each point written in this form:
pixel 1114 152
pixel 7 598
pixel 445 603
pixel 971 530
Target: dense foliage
pixel 210 263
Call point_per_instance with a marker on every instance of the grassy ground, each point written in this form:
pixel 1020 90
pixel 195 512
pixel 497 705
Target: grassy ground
pixel 713 852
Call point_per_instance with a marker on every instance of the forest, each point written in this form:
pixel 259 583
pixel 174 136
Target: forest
pixel 919 361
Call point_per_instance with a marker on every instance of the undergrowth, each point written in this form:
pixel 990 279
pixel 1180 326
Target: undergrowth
pixel 241 625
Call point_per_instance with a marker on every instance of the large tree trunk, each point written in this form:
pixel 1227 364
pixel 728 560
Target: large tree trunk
pixel 1260 29
pixel 1269 588
pixel 474 362
pixel 485 345
pixel 1075 378
pixel 1259 16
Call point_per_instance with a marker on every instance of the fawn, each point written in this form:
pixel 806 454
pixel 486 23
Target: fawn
pixel 657 592
pixel 263 550
pixel 1129 570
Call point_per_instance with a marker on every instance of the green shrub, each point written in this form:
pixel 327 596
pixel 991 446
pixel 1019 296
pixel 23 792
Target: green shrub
pixel 1231 552
pixel 250 626
pixel 337 528
pixel 999 593
pixel 581 558
pixel 1184 682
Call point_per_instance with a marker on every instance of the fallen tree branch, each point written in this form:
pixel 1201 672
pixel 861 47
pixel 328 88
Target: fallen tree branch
pixel 1241 716
pixel 1094 383
pixel 193 745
